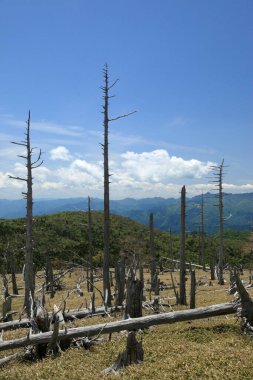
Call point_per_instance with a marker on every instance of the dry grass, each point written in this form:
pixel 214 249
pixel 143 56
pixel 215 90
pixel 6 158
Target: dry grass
pixel 206 349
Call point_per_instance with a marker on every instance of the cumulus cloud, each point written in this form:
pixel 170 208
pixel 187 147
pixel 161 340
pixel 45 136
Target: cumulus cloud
pixel 159 166
pixel 138 175
pixel 60 153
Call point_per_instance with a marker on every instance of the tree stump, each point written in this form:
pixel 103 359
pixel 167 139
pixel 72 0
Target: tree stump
pixel 133 354
pixel 134 297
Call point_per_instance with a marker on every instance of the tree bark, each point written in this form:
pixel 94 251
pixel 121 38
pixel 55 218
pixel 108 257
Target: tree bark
pixel 193 290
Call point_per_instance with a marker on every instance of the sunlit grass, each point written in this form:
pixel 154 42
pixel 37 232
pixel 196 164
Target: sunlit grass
pixel 212 348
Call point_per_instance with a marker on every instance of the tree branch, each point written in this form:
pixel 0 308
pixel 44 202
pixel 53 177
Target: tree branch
pixel 120 117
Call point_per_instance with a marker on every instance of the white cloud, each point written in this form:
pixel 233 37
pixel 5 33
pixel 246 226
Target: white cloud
pixel 60 153
pixel 138 175
pixel 159 166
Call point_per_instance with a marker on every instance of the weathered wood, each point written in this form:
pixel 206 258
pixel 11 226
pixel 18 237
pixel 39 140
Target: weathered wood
pixel 7 359
pixel 49 276
pixel 182 290
pixel 68 316
pixel 133 354
pixel 186 263
pixel 134 296
pixel 7 315
pixel 152 252
pixel 193 290
pixel 120 280
pixel 105 147
pixel 129 324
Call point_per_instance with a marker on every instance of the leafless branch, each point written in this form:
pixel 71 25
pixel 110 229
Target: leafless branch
pixel 121 116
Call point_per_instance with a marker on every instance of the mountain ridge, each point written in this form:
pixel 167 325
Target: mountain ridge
pixel 238 210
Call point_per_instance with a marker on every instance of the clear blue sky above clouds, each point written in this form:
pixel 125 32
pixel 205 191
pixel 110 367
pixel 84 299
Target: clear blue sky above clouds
pixel 185 66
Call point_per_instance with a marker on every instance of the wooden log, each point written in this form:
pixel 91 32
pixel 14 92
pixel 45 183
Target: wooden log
pixel 7 359
pixel 193 265
pixel 68 316
pixel 129 324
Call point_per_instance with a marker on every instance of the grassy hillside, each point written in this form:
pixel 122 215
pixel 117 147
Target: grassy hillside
pixel 65 237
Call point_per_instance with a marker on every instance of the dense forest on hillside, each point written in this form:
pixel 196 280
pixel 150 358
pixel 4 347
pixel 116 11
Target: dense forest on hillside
pixel 65 237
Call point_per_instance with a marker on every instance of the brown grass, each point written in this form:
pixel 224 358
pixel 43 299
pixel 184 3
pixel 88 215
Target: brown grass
pixel 205 349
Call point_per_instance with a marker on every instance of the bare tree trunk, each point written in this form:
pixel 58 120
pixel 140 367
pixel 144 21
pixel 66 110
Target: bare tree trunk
pixel 182 295
pixel 91 248
pixel 120 280
pixel 133 354
pixel 202 236
pixel 193 290
pixel 218 172
pixel 221 248
pixel 28 195
pixel 152 252
pixel 14 283
pixel 134 296
pixel 29 270
pixel 49 276
pixel 106 263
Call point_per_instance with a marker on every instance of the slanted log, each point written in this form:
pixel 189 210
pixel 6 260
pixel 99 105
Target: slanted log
pixel 7 359
pixel 128 324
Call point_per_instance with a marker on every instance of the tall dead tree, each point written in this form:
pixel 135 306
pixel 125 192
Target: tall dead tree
pixel 28 195
pixel 202 233
pixel 152 252
pixel 106 276
pixel 91 248
pixel 182 295
pixel 219 174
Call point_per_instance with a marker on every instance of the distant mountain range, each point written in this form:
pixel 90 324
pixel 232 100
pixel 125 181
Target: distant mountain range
pixel 238 210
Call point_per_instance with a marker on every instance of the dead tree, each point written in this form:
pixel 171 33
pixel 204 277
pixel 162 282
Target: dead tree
pixel 120 280
pixel 28 195
pixel 152 252
pixel 126 324
pixel 193 290
pixel 219 174
pixel 133 354
pixel 49 276
pixel 202 233
pixel 106 277
pixel 91 247
pixel 134 296
pixel 182 294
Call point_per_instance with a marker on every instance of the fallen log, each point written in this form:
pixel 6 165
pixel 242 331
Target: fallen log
pixel 129 324
pixel 68 316
pixel 190 264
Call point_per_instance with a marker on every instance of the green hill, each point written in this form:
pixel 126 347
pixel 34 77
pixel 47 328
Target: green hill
pixel 65 237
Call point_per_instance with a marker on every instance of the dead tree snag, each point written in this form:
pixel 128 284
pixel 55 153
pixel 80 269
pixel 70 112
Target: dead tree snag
pixel 106 277
pixel 28 195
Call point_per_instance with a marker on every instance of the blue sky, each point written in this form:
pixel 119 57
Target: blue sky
pixel 185 66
